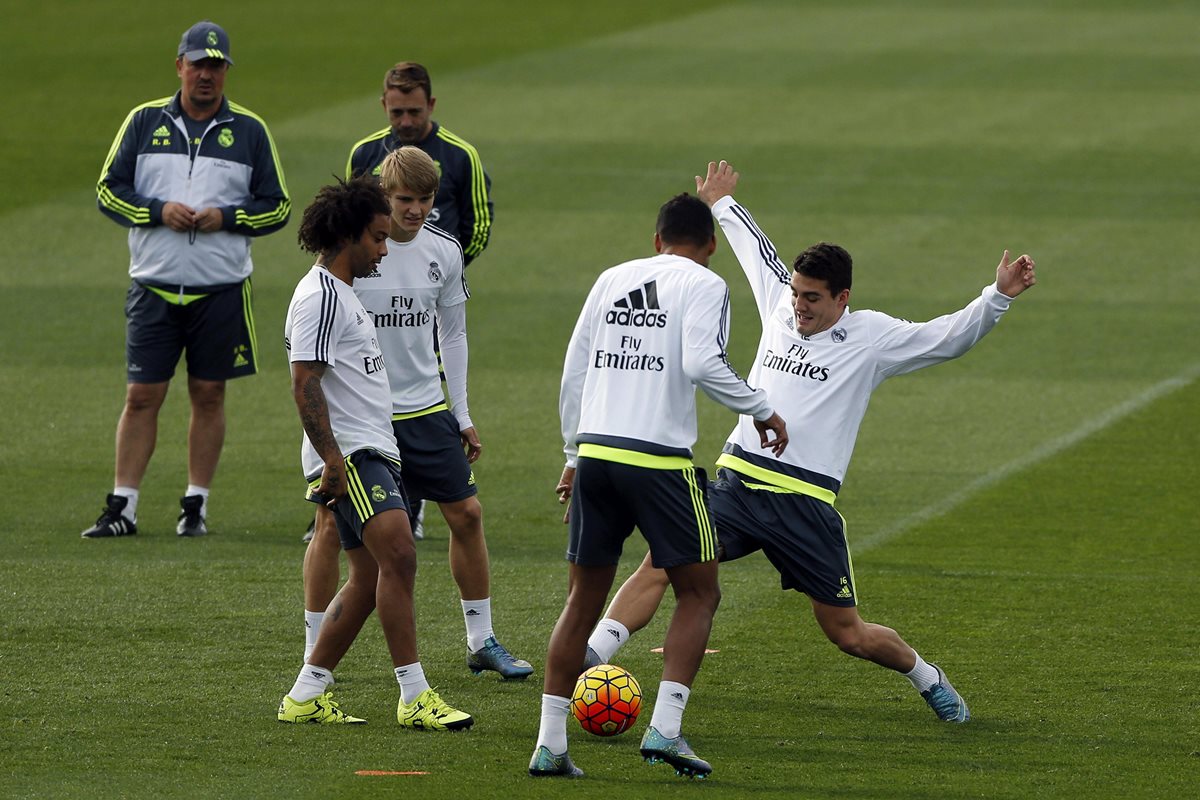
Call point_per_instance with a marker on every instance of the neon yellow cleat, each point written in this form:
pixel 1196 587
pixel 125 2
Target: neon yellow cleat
pixel 429 712
pixel 321 710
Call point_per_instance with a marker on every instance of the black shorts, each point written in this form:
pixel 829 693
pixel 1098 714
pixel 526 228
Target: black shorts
pixel 669 507
pixel 435 464
pixel 215 329
pixel 803 537
pixel 373 480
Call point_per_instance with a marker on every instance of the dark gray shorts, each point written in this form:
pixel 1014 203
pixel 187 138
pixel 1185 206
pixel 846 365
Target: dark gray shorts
pixel 215 329
pixel 669 507
pixel 804 538
pixel 374 486
pixel 435 464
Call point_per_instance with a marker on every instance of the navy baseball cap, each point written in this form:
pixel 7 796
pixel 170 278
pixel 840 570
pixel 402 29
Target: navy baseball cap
pixel 205 40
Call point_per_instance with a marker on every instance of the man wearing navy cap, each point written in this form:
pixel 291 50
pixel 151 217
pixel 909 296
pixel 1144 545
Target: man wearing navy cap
pixel 193 177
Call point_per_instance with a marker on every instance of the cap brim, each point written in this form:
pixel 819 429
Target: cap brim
pixel 212 52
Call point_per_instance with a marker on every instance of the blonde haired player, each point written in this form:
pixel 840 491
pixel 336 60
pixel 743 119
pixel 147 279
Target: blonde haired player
pixel 418 284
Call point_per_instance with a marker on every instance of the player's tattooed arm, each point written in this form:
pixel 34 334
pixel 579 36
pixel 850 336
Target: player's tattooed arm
pixel 314 416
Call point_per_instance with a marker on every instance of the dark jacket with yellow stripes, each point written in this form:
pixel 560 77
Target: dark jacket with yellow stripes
pixel 233 166
pixel 463 205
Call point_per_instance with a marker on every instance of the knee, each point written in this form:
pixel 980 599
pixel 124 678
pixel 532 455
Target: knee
pixel 143 398
pixel 465 518
pixel 704 596
pixel 399 561
pixel 361 583
pixel 208 397
pixel 326 541
pixel 850 639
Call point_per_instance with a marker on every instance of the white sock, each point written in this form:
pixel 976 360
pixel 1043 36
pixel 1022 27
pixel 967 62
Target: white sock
pixel 131 496
pixel 922 676
pixel 312 628
pixel 203 492
pixel 607 639
pixel 478 616
pixel 312 682
pixel 668 708
pixel 411 678
pixel 553 731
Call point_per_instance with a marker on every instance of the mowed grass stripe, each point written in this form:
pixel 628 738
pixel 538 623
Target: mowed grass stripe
pixel 152 667
pixel 1046 450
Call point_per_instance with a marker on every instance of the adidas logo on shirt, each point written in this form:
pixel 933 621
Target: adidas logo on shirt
pixel 639 309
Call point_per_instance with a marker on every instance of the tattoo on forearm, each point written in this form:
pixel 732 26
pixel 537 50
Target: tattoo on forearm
pixel 314 415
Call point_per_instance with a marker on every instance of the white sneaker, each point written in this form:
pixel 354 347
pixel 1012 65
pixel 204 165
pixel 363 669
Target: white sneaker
pixel 419 528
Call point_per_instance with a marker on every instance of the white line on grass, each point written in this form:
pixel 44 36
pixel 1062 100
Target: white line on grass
pixel 1047 450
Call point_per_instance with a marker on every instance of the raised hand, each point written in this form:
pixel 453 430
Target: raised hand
pixel 1014 277
pixel 720 181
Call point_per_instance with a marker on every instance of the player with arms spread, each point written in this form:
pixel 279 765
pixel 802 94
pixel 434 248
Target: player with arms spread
pixel 819 362
pixel 650 331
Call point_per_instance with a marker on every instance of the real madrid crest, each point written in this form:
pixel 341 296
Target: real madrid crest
pixel 838 334
pixel 435 272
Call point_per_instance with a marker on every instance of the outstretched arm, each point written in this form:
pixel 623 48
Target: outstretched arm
pixel 908 346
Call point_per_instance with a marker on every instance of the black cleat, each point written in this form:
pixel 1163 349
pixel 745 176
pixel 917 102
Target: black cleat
pixel 191 521
pixel 112 522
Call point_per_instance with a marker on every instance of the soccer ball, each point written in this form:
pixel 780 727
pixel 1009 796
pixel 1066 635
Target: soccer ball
pixel 607 700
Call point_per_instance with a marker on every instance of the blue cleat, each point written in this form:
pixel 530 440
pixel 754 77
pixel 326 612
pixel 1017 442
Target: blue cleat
pixel 591 659
pixel 945 701
pixel 545 764
pixel 495 657
pixel 656 747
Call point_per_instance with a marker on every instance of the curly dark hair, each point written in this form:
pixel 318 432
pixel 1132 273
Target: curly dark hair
pixel 826 262
pixel 340 213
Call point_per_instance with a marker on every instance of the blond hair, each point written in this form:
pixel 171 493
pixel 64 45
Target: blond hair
pixel 410 167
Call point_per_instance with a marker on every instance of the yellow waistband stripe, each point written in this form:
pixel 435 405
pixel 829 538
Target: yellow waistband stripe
pixel 632 457
pixel 176 298
pixel 421 413
pixel 775 481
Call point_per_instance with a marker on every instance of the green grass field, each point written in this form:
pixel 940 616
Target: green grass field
pixel 1025 516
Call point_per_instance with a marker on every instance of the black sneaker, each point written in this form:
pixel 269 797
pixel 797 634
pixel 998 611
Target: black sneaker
pixel 112 522
pixel 191 521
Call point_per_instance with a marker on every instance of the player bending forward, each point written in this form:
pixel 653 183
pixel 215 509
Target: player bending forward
pixel 819 363
pixel 349 455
